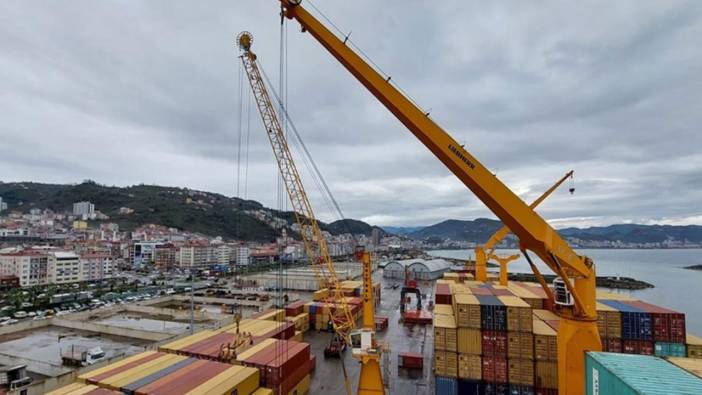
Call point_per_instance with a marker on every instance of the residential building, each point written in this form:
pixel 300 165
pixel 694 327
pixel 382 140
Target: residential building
pixel 64 267
pixel 195 255
pixel 243 256
pixel 142 252
pixel 221 255
pixel 3 205
pixel 165 256
pixel 97 266
pixel 29 266
pixel 86 209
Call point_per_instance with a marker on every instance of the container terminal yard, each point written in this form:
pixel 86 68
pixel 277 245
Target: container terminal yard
pixel 416 326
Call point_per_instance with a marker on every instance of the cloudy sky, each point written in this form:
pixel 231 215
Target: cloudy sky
pixel 131 91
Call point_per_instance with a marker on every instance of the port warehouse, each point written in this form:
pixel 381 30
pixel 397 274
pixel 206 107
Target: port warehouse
pixel 273 360
pixel 502 339
pixel 420 269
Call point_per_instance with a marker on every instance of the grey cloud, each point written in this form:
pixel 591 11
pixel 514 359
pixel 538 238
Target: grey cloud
pixel 128 92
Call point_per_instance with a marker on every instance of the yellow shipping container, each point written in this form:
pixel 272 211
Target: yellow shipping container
pixel 263 391
pixel 609 322
pixel 469 341
pixel 467 308
pixel 104 369
pixel 545 346
pixel 121 379
pixel 521 372
pixel 694 346
pixel 235 380
pixel 255 349
pixel 470 367
pixel 445 309
pixel 546 374
pixel 445 336
pixel 320 295
pixel 186 341
pixel 298 336
pixel 612 296
pixel 519 317
pixel 451 364
pixel 440 363
pixel 302 388
pixel 65 390
pixel 692 365
pixel 520 345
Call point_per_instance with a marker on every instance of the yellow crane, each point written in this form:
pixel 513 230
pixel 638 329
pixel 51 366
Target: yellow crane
pixel 575 286
pixel 363 342
pixel 486 252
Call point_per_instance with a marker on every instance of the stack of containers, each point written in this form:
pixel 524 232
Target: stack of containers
pixel 467 312
pixel 282 364
pixel 545 356
pixel 442 293
pixel 694 346
pixel 445 345
pixel 668 329
pixel 294 308
pixel 493 325
pixel 609 324
pixel 320 313
pixel 301 322
pixel 637 327
pixel 161 373
pixel 520 344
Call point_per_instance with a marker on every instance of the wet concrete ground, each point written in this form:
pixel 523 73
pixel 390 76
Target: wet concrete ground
pixel 45 344
pixel 328 376
pixel 141 322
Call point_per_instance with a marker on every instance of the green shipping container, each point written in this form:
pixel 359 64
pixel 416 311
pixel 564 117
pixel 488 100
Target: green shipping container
pixel 663 349
pixel 628 374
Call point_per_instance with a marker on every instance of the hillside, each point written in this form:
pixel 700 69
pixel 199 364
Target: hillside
pixel 351 226
pixel 208 213
pixel 481 229
pixel 477 230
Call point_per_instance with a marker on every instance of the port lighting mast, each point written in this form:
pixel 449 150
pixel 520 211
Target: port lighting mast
pixel 575 285
pixel 315 244
pixel 486 252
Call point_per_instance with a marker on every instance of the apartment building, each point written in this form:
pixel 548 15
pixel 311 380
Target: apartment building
pixel 97 266
pixel 165 256
pixel 29 266
pixel 64 267
pixel 194 255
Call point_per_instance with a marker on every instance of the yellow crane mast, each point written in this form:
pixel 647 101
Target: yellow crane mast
pixel 486 252
pixel 575 286
pixel 363 341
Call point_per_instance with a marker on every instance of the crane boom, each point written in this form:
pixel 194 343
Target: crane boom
pixel 313 240
pixel 578 332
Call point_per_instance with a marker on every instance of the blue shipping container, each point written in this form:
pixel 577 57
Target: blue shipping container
pixel 628 374
pixel 665 349
pixel 489 388
pixel 636 324
pixel 520 390
pixel 446 385
pixel 469 387
pixel 493 314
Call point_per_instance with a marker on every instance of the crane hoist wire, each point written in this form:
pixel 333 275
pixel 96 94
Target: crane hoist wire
pixel 308 160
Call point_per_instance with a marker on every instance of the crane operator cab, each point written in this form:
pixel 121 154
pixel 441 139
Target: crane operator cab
pixel 363 342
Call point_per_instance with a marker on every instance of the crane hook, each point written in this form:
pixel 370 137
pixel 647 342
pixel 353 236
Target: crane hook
pixel 571 188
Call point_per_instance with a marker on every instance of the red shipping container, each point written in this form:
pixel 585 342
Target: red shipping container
pixel 294 308
pixel 482 291
pixel 641 347
pixel 291 381
pixel 494 343
pixel 411 360
pixel 313 361
pixel 443 294
pixel 668 325
pixel 501 292
pixel 191 380
pixel 96 379
pixel 290 357
pixel 612 345
pixel 494 369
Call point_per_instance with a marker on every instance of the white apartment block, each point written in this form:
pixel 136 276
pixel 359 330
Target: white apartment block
pixel 3 205
pixel 243 256
pixel 84 209
pixel 97 267
pixel 194 256
pixel 31 267
pixel 222 255
pixel 64 267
